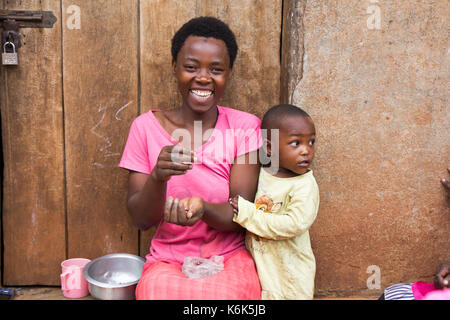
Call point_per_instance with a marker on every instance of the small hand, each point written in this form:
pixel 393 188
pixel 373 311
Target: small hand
pixel 446 183
pixel 234 203
pixel 184 212
pixel 442 276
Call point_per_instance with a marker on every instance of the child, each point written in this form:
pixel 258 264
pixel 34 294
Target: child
pixel 286 205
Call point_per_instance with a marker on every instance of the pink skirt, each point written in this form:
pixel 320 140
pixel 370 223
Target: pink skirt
pixel 163 280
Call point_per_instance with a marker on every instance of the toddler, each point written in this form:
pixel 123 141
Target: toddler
pixel 287 201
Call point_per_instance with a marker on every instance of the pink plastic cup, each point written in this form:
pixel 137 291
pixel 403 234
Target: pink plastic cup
pixel 73 283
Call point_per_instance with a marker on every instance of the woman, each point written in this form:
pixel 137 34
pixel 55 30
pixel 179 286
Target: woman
pixel 183 185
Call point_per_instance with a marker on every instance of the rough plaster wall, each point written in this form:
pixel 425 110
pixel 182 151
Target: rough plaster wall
pixel 379 98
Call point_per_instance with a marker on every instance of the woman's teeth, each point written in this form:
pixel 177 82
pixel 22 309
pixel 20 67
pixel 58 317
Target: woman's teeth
pixel 202 93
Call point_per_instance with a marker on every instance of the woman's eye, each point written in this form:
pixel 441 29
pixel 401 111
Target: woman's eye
pixel 189 67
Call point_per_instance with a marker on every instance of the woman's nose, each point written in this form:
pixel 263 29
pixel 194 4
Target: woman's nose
pixel 203 76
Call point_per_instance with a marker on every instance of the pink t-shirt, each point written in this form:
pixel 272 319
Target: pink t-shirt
pixel 236 133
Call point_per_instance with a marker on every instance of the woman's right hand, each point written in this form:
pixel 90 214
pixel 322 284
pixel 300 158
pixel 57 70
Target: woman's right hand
pixel 173 160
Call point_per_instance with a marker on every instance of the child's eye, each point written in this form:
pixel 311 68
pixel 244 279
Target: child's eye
pixel 311 142
pixel 294 143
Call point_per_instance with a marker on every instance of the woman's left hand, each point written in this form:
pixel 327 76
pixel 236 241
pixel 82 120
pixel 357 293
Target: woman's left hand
pixel 185 212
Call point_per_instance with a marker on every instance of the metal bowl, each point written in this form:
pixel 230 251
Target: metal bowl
pixel 114 276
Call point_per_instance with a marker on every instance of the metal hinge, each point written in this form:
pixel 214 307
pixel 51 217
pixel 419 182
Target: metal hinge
pixel 12 20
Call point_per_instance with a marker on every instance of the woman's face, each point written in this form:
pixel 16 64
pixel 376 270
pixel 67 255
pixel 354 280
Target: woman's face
pixel 202 70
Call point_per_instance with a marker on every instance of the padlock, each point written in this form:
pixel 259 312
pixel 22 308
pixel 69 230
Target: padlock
pixel 9 59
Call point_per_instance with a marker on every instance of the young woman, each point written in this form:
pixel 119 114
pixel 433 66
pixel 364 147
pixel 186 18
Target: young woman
pixel 183 185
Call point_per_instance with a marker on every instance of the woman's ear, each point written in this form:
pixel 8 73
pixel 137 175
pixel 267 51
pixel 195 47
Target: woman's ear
pixel 174 66
pixel 230 72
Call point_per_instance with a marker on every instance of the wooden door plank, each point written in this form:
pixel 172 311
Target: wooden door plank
pixel 255 84
pixel 292 50
pixel 32 133
pixel 100 99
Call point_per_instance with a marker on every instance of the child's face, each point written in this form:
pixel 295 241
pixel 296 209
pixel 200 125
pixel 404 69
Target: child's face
pixel 202 70
pixel 296 146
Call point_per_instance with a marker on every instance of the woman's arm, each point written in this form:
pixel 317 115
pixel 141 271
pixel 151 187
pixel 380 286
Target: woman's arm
pixel 243 182
pixel 146 198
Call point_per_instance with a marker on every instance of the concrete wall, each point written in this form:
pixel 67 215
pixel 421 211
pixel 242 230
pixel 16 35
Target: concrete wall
pixel 374 76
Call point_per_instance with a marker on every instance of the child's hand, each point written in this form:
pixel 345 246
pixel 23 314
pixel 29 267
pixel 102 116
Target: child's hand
pixel 234 203
pixel 184 212
pixel 441 278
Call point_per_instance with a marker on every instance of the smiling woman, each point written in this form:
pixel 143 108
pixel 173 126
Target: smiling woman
pixel 185 198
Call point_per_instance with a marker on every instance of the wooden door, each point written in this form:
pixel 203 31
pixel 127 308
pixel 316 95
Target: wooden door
pixel 67 108
pixel 34 210
pixel 100 77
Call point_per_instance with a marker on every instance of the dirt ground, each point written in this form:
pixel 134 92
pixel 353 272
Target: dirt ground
pixel 54 293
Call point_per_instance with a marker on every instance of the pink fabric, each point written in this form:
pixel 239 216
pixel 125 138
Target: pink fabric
pixel 236 133
pixel 426 291
pixel 238 280
pixel 438 295
pixel 420 289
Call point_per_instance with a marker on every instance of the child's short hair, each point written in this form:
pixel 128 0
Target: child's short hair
pixel 273 118
pixel 208 27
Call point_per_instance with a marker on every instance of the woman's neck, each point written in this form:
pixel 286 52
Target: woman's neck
pixel 185 117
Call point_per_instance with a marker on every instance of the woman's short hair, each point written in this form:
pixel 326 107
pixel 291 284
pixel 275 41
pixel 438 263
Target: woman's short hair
pixel 208 27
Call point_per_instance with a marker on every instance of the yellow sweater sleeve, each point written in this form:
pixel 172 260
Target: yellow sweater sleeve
pixel 295 219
